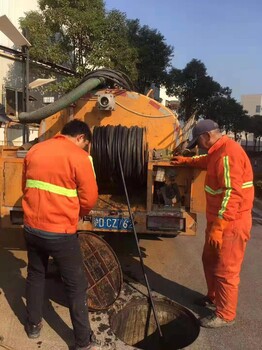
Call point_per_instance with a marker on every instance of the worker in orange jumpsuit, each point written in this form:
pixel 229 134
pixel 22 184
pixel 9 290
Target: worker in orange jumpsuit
pixel 59 186
pixel 229 196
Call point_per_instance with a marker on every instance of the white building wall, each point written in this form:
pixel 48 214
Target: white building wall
pixel 165 98
pixel 13 135
pixel 14 9
pixel 11 72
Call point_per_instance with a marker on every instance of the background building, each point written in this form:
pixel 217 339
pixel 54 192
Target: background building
pixel 11 68
pixel 13 77
pixel 171 102
pixel 252 104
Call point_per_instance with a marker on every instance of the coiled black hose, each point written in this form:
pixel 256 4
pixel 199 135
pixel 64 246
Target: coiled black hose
pixel 111 78
pixel 131 143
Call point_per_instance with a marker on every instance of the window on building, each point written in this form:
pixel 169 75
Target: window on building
pixel 19 101
pixel 258 109
pixel 13 102
pixel 10 102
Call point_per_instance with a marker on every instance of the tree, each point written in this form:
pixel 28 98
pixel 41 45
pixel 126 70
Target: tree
pixel 256 128
pixel 154 55
pixel 44 46
pixel 228 113
pixel 246 127
pixel 195 88
pixel 81 35
pixel 119 54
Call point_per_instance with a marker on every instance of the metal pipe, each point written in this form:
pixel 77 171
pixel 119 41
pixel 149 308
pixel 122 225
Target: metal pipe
pixel 63 102
pixel 25 129
pixel 139 250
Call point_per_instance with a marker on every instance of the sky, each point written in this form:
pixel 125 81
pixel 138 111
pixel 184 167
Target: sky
pixel 226 35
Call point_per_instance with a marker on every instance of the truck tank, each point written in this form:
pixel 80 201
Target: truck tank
pixel 164 199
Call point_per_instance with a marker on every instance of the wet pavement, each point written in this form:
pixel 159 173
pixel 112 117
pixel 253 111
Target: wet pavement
pixel 174 270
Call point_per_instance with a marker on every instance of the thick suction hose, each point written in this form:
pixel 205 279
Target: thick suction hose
pixel 63 102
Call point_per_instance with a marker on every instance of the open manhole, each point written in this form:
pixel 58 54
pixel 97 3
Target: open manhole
pixel 135 325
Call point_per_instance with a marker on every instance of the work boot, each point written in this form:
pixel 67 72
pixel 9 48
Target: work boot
pixel 205 302
pixel 213 321
pixel 32 330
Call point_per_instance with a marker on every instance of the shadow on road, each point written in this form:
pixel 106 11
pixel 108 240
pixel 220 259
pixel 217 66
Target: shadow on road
pixel 12 284
pixel 126 251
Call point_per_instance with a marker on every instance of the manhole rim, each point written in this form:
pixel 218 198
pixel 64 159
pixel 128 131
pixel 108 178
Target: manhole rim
pixel 118 307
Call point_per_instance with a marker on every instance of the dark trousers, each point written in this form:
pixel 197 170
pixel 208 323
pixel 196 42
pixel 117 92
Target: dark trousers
pixel 67 255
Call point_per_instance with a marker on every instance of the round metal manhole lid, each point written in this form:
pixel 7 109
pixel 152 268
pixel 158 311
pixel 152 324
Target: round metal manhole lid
pixel 103 271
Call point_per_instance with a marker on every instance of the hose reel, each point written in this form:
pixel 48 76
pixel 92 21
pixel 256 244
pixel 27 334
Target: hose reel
pixel 131 143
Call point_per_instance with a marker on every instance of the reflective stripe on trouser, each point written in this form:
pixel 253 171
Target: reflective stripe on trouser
pixel 222 268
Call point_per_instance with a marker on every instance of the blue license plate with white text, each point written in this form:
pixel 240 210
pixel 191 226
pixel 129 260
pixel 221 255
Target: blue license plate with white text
pixel 112 223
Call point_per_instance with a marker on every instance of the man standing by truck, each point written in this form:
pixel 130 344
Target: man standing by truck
pixel 59 186
pixel 229 195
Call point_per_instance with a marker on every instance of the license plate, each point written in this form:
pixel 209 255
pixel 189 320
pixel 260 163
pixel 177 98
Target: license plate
pixel 111 223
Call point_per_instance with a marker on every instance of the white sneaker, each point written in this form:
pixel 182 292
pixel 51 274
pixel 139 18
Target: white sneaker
pixel 213 321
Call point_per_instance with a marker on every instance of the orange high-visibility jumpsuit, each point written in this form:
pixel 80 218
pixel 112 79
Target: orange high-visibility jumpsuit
pixel 229 194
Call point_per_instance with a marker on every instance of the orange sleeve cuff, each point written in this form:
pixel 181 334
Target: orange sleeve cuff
pixel 219 224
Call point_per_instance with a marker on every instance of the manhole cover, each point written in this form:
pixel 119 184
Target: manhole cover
pixel 103 271
pixel 135 325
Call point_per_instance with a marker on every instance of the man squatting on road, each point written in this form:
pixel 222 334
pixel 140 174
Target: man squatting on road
pixel 59 186
pixel 229 196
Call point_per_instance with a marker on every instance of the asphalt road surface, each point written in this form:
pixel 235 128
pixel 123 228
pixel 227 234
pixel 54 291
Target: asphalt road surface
pixel 174 270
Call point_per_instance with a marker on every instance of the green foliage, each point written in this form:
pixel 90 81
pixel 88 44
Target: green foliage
pixel 228 113
pixel 44 46
pixel 76 25
pixel 256 125
pixel 201 95
pixel 195 88
pixel 118 52
pixel 154 55
pixel 80 35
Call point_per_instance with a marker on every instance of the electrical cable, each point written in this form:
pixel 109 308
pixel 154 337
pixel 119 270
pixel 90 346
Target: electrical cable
pixel 107 140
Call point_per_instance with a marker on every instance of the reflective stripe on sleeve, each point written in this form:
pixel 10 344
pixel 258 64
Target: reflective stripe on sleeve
pixel 201 156
pixel 247 184
pixel 227 185
pixel 213 192
pixel 46 186
pixel 220 190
